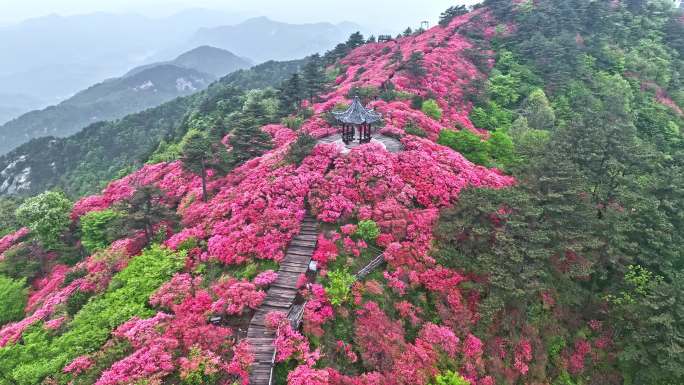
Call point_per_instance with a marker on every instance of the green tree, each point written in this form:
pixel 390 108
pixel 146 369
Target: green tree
pixel 47 215
pixel 503 89
pixel 451 13
pixel 202 151
pixel 415 65
pixel 468 144
pixel 247 143
pixel 99 229
pixel 338 289
pixel 291 94
pixel 538 111
pixel 356 39
pixel 313 76
pixel 8 219
pixel 144 210
pixel 432 109
pixel 13 298
pixel 502 150
pixel 491 117
pixel 301 148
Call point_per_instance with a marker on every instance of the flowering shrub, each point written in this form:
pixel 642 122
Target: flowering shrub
pixel 234 296
pixel 317 311
pixel 78 365
pixel 264 279
pixel 305 375
pixel 175 291
pixel 11 239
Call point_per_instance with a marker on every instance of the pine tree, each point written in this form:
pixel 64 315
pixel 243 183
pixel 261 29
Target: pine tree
pixel 247 139
pixel 313 77
pixel 145 209
pixel 538 111
pixel 355 40
pixel 291 94
pixel 452 12
pixel 416 65
pixel 408 32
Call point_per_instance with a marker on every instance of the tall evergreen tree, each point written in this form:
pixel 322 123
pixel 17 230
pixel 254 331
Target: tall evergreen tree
pixel 291 94
pixel 313 77
pixel 145 209
pixel 452 12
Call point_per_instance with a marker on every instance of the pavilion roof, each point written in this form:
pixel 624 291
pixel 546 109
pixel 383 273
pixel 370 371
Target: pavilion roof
pixel 358 114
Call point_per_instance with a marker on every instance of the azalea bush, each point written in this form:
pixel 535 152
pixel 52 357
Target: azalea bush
pixel 90 328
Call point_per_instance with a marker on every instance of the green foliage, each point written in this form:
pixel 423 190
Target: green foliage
pixel 432 109
pixel 412 129
pixel 538 111
pixel 77 300
pixel 23 261
pixel 503 89
pixel 415 65
pixel 501 150
pixel 491 117
pixel 468 144
pixel 451 12
pixel 203 150
pixel 368 230
pixel 145 209
pixel 301 148
pixel 293 122
pixel 8 219
pixel 40 355
pixel 313 77
pixel 13 298
pixel 47 215
pixel 99 229
pixel 338 289
pixel 450 378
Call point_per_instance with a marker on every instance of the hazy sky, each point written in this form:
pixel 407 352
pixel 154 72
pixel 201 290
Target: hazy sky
pixel 385 13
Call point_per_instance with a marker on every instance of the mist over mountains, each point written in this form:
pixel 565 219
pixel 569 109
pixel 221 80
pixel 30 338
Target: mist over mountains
pixel 48 59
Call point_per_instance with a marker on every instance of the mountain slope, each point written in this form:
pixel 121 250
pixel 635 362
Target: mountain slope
pixel 432 266
pixel 140 89
pixel 206 59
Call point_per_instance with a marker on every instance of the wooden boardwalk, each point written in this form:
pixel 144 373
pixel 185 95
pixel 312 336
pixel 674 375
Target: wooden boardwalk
pixel 280 297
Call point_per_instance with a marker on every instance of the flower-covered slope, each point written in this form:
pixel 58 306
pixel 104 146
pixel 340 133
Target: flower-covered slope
pixel 254 212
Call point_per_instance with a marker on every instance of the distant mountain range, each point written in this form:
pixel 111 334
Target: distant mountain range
pixel 49 59
pixel 13 105
pixel 141 88
pixel 262 39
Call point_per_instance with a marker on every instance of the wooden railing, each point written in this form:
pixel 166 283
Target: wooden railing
pixel 372 265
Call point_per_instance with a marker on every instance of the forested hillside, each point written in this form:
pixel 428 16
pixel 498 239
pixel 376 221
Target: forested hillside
pixel 525 227
pixel 85 162
pixel 140 89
